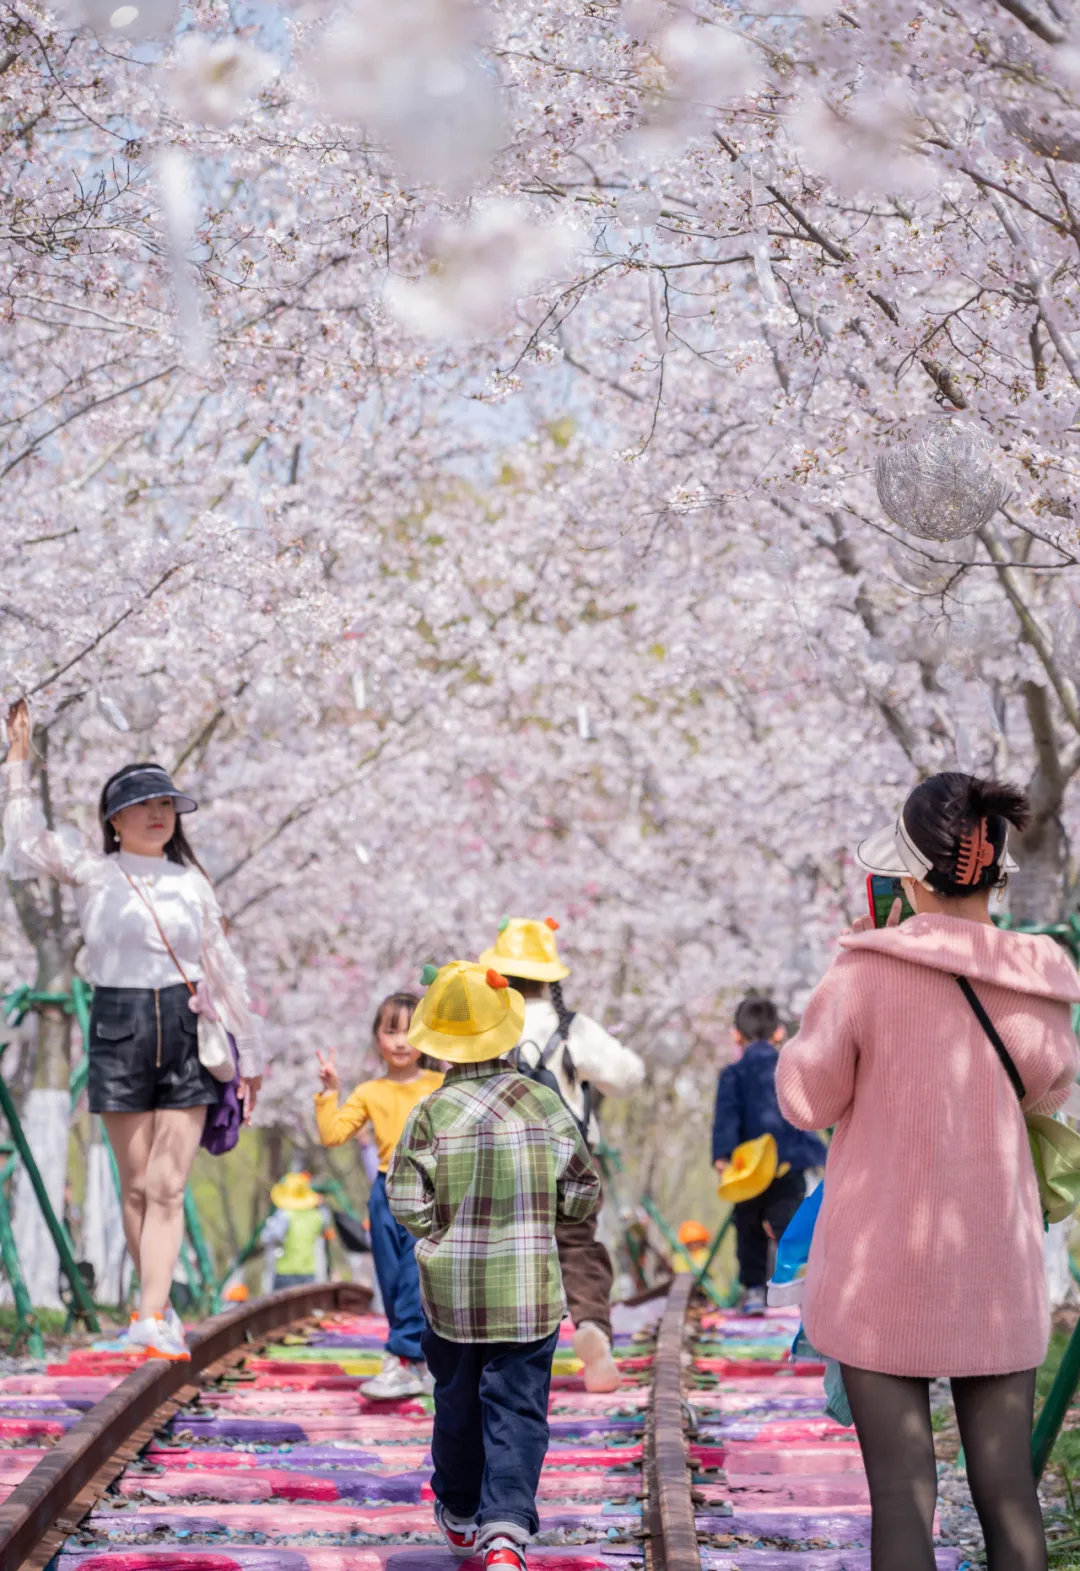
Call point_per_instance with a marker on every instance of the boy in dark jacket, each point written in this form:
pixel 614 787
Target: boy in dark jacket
pixel 746 1107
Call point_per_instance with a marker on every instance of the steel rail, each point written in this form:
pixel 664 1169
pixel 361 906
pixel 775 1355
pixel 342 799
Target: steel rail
pixel 672 1541
pixel 44 1499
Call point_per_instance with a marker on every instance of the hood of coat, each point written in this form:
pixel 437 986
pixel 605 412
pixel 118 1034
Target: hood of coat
pixel 1020 961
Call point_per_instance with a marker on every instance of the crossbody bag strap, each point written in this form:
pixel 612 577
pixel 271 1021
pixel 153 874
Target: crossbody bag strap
pixel 148 903
pixel 992 1032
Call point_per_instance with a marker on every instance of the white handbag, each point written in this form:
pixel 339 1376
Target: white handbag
pixel 215 1049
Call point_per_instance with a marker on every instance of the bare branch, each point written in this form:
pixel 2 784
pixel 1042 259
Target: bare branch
pixel 59 670
pixel 1033 631
pixel 1035 19
pixel 76 414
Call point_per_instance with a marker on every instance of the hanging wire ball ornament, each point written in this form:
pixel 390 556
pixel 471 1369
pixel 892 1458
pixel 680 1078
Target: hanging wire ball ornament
pixel 943 482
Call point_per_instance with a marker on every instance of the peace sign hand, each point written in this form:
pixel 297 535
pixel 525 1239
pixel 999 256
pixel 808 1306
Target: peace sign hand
pixel 328 1071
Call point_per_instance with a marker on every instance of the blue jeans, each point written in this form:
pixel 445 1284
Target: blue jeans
pixel 399 1280
pixel 491 1429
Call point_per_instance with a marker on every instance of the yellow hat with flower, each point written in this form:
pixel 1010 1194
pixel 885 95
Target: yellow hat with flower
pixel 294 1193
pixel 469 1014
pixel 527 948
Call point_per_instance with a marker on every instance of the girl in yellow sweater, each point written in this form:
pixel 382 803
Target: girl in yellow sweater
pixel 385 1104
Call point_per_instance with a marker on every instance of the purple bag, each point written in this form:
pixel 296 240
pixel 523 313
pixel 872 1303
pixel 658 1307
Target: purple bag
pixel 221 1130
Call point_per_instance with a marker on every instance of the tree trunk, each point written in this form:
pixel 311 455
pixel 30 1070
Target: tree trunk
pixel 104 1225
pixel 46 1115
pixel 1037 889
pixel 45 1123
pixel 45 1112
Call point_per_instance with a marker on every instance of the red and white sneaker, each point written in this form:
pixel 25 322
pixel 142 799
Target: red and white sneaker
pixel 503 1554
pixel 461 1537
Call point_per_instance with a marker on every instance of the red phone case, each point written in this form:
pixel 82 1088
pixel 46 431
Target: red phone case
pixel 870 897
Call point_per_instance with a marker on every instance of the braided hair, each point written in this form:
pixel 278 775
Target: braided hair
pixel 565 1017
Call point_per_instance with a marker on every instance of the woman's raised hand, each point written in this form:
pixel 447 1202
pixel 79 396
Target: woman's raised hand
pixel 863 924
pixel 328 1071
pixel 250 1086
pixel 18 729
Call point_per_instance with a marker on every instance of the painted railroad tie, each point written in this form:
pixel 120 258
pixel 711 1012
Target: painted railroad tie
pixel 777 1486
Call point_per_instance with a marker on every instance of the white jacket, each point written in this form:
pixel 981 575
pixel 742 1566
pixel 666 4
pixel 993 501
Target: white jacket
pixel 610 1068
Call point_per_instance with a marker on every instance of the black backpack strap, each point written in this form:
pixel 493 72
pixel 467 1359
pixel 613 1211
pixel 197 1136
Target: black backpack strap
pixel 991 1031
pixel 551 1049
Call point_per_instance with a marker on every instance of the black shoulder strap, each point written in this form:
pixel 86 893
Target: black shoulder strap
pixel 991 1031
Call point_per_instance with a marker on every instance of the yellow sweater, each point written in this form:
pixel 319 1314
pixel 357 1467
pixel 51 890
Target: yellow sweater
pixel 384 1104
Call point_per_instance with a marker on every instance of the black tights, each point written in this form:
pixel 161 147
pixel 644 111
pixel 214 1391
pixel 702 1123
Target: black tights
pixel 994 1414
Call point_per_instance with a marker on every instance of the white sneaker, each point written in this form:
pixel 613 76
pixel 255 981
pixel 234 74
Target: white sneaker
pixel 592 1346
pixel 156 1338
pixel 754 1301
pixel 174 1322
pixel 461 1537
pixel 398 1378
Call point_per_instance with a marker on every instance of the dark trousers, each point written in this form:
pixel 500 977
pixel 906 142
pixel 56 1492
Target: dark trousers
pixel 491 1428
pixel 399 1280
pixel 586 1273
pixel 777 1205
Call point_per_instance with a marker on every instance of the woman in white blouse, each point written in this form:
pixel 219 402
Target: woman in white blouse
pixel 146 1080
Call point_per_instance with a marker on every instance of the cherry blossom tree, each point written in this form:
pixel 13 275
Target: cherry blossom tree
pixel 446 436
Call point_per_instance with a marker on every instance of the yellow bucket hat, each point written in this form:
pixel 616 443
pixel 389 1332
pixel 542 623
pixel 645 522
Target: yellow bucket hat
pixel 294 1193
pixel 751 1170
pixel 527 948
pixel 469 1014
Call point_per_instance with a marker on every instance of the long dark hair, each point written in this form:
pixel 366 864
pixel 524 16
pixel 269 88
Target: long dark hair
pixel 177 849
pixel 947 817
pixel 528 988
pixel 399 1003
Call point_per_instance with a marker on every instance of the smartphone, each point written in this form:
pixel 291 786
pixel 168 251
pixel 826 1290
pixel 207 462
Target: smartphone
pixel 880 894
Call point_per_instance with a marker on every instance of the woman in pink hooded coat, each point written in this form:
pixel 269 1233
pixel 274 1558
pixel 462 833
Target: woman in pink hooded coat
pixel 927 1256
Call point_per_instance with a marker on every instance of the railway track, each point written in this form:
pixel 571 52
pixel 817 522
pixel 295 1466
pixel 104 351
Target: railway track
pixel 261 1455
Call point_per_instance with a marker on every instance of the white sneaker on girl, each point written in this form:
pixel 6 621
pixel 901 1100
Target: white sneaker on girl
pixel 398 1378
pixel 156 1338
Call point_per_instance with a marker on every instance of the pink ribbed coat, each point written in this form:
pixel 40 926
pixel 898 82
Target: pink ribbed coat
pixel 927 1256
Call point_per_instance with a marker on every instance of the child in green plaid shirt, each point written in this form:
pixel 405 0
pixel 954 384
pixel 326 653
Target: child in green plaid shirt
pixel 485 1168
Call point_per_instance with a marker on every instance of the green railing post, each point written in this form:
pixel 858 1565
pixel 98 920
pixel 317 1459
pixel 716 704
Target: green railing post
pixel 203 1262
pixel 671 1238
pixel 721 1233
pixel 82 1303
pixel 25 1319
pixel 1055 1407
pixel 240 1259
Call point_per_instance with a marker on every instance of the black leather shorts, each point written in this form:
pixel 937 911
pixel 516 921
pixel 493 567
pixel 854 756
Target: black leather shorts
pixel 144 1051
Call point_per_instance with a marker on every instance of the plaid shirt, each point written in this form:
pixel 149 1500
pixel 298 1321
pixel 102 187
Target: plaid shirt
pixel 484 1169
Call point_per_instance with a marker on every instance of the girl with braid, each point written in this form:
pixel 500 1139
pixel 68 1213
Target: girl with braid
pixel 579 1060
